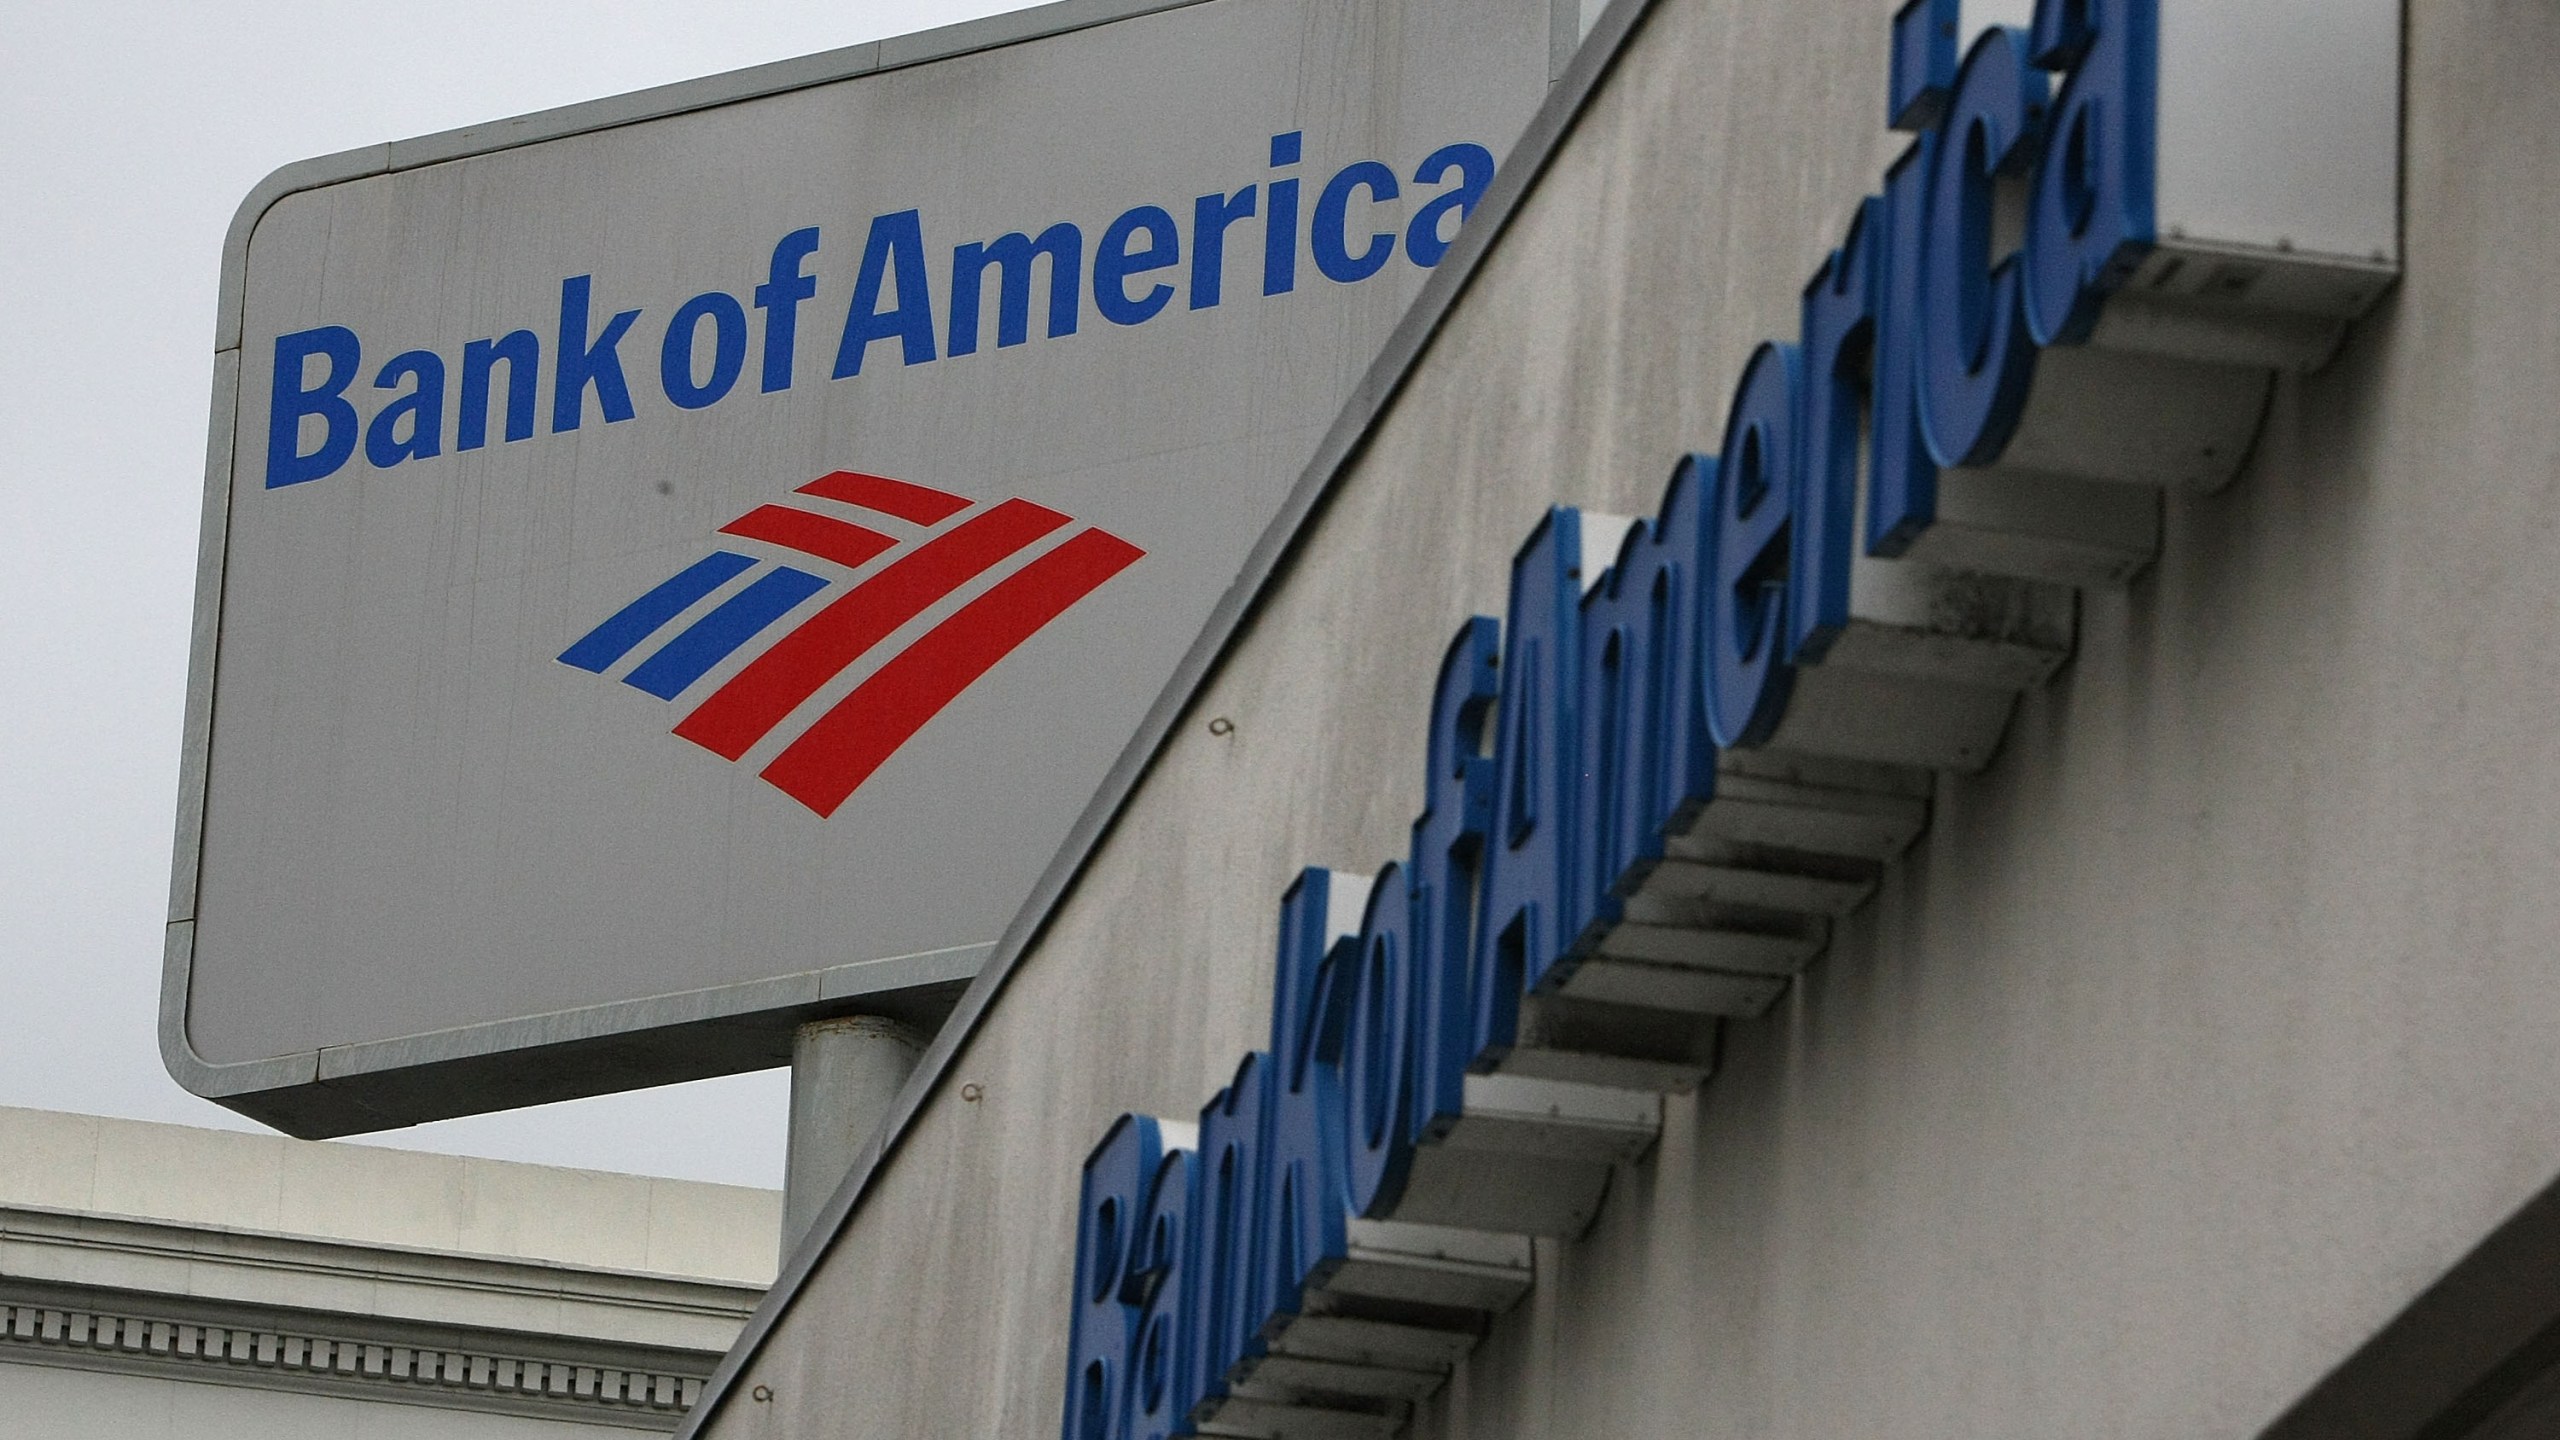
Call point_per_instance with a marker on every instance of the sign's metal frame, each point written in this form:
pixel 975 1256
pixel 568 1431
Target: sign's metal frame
pixel 719 1030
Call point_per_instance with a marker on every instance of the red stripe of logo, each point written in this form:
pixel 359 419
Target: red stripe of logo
pixel 849 742
pixel 757 698
pixel 920 504
pixel 820 535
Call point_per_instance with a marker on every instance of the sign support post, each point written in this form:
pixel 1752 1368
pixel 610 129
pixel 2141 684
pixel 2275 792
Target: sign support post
pixel 845 1073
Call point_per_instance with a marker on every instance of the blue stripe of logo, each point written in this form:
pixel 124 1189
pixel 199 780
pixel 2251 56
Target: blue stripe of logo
pixel 711 639
pixel 644 617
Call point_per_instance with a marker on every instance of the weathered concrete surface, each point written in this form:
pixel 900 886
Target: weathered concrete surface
pixel 372 1195
pixel 2199 1033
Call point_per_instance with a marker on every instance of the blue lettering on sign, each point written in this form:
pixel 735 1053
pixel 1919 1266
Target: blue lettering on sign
pixel 1136 269
pixel 1976 357
pixel 1424 239
pixel 522 350
pixel 728 350
pixel 1331 238
pixel 1611 695
pixel 893 257
pixel 1528 886
pixel 1839 340
pixel 785 286
pixel 421 407
pixel 1750 535
pixel 1647 758
pixel 1376 1075
pixel 1902 491
pixel 1062 245
pixel 581 364
pixel 1280 233
pixel 295 398
pixel 1153 1285
pixel 1101 1336
pixel 1114 262
pixel 1228 1229
pixel 2089 216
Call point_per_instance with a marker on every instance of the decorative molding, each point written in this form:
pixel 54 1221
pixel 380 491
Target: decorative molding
pixel 206 1305
pixel 471 1376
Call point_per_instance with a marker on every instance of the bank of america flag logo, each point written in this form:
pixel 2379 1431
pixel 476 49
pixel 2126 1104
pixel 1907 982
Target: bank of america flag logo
pixel 891 551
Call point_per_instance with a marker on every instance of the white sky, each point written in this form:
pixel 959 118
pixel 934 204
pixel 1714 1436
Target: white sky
pixel 129 131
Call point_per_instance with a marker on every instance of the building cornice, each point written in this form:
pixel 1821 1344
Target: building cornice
pixel 207 1304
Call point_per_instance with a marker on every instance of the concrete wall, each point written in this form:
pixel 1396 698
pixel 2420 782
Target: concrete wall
pixel 2200 1032
pixel 369 1195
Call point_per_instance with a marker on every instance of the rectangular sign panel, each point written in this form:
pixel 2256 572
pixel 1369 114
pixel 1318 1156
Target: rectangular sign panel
pixel 682 565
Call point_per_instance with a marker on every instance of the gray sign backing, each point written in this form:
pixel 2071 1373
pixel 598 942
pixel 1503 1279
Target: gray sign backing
pixel 581 702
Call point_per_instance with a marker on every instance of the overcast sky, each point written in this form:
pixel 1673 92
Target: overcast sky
pixel 131 131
